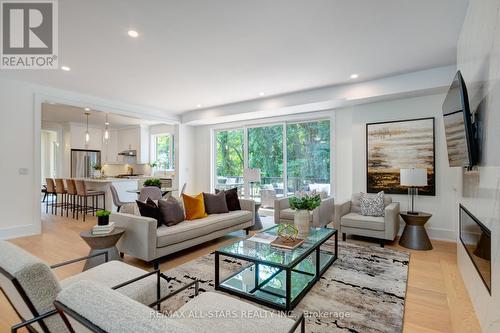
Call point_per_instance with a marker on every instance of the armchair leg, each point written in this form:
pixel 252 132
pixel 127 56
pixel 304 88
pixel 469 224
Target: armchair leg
pixel 247 231
pixel 344 236
pixel 122 255
pixel 156 264
pixel 382 243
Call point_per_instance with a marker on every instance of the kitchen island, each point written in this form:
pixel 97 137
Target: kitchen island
pixel 122 185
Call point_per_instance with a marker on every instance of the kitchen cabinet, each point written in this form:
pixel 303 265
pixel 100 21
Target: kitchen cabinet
pixel 130 138
pixel 78 137
pixel 110 149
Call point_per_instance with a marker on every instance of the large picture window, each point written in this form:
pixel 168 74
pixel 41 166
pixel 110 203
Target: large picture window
pixel 291 157
pixel 229 161
pixel 163 151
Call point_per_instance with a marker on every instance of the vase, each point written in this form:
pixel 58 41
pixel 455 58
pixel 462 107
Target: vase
pixel 103 220
pixel 301 221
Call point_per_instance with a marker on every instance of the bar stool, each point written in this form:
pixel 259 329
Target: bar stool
pixel 83 194
pixel 72 195
pixel 61 189
pixel 51 191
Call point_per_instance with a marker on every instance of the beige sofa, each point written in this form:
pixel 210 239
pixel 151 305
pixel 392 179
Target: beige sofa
pixel 320 217
pixel 143 240
pixel 348 220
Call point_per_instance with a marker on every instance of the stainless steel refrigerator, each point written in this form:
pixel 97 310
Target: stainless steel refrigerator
pixel 83 161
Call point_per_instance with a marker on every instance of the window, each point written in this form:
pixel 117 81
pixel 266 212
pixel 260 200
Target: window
pixel 163 151
pixel 308 156
pixel 229 159
pixel 291 156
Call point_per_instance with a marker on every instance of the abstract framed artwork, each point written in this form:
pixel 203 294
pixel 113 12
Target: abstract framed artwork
pixel 394 145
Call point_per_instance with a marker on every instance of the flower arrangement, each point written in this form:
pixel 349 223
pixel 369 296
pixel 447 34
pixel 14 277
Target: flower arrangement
pixel 305 201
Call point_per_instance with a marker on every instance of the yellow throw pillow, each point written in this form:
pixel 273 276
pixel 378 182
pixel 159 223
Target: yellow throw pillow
pixel 194 206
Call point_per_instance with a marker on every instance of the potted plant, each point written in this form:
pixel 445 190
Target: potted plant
pixel 97 170
pixel 103 217
pixel 153 182
pixel 303 204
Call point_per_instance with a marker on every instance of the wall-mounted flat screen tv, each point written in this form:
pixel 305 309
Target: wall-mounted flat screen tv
pixel 459 131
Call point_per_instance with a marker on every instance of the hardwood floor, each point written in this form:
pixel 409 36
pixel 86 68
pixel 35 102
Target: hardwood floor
pixel 436 297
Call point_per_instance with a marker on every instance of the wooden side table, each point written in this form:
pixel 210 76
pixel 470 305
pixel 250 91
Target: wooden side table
pixel 102 243
pixel 414 235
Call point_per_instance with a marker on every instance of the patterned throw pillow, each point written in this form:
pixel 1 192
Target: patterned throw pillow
pixel 372 205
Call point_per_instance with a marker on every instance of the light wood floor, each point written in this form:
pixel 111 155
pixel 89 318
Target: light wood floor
pixel 436 297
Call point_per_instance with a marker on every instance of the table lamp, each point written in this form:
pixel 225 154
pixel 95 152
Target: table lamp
pixel 413 178
pixel 251 175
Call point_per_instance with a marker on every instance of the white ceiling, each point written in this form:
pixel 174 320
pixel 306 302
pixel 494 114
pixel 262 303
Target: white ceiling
pixel 222 51
pixel 60 113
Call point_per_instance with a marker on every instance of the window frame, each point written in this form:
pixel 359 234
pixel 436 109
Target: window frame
pixel 284 124
pixel 171 153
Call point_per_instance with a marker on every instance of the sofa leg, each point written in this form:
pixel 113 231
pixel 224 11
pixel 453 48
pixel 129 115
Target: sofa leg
pixel 247 231
pixel 122 255
pixel 382 243
pixel 344 236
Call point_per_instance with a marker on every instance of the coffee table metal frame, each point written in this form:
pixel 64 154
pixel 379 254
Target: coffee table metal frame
pixel 289 302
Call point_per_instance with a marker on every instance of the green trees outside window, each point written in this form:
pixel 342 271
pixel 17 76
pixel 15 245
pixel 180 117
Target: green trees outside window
pixel 307 157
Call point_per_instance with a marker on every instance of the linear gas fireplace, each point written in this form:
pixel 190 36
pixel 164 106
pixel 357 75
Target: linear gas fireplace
pixel 476 238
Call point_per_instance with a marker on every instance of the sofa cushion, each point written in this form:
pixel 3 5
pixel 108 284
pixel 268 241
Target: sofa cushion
pixel 355 220
pixel 192 229
pixel 239 318
pixel 113 273
pixel 232 200
pixel 171 211
pixel 372 205
pixel 356 202
pixel 215 203
pixel 194 206
pixel 115 313
pixel 150 209
pixel 289 214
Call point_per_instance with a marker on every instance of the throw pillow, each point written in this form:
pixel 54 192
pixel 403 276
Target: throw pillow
pixel 171 211
pixel 150 209
pixel 194 206
pixel 372 205
pixel 215 203
pixel 232 200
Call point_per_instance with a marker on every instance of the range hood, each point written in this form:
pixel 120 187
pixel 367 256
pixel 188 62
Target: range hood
pixel 129 152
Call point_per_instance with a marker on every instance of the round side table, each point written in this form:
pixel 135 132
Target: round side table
pixel 414 235
pixel 102 243
pixel 258 222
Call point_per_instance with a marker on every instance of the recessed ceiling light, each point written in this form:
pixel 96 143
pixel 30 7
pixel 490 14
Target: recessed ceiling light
pixel 261 94
pixel 86 109
pixel 198 106
pixel 354 76
pixel 65 68
pixel 133 33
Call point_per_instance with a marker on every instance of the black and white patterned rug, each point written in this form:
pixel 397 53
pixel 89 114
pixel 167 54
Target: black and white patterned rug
pixel 363 291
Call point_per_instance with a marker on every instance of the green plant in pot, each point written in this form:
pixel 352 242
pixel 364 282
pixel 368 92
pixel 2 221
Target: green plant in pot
pixel 103 217
pixel 153 182
pixel 303 204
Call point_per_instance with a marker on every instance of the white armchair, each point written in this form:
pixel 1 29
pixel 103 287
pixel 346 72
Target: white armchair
pixel 348 220
pixel 320 217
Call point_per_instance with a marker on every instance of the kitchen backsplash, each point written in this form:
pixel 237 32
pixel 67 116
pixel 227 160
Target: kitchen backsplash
pixel 138 169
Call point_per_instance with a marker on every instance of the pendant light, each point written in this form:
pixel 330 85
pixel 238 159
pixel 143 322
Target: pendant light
pixel 87 134
pixel 106 131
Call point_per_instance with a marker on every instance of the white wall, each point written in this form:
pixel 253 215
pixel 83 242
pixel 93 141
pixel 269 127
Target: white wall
pixel 351 156
pixel 478 59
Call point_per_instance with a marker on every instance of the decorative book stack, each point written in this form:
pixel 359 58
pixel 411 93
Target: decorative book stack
pixel 103 229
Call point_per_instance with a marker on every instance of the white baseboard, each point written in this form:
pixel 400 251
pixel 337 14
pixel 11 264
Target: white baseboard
pixel 19 231
pixel 436 233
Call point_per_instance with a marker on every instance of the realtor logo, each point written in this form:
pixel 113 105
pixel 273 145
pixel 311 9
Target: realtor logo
pixel 28 34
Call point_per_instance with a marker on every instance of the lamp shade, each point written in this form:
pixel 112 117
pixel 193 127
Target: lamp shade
pixel 251 175
pixel 413 177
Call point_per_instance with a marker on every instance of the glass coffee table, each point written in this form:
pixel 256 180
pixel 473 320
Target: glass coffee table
pixel 276 277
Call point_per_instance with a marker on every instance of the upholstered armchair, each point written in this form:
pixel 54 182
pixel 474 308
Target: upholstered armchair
pixel 348 220
pixel 320 217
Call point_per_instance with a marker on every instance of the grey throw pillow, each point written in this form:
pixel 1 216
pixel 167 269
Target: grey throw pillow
pixel 171 211
pixel 372 205
pixel 215 203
